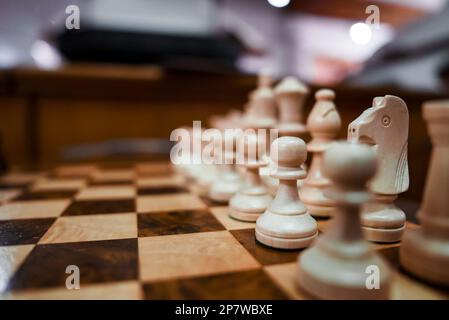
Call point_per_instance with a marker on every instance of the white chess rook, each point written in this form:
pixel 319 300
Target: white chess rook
pixel 338 266
pixel 286 224
pixel 425 251
pixel 384 126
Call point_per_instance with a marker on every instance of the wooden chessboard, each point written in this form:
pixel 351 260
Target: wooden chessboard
pixel 136 232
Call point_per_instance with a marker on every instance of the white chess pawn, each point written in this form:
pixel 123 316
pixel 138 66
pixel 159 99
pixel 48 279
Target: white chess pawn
pixel 323 123
pixel 286 224
pixel 264 80
pixel 253 198
pixel 290 96
pixel 425 251
pixel 228 181
pixel 339 264
pixel 205 177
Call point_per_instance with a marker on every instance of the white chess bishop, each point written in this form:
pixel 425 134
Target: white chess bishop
pixel 262 116
pixel 286 224
pixel 323 123
pixel 290 96
pixel 253 198
pixel 339 264
pixel 425 251
pixel 384 127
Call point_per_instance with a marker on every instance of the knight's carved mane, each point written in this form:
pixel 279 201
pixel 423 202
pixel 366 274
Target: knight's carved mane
pixel 401 181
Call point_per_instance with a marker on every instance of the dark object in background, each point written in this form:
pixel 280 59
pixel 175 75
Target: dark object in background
pixel 3 162
pixel 186 52
pixel 417 59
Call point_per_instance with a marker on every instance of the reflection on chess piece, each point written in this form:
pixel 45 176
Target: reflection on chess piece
pixel 338 266
pixel 253 198
pixel 425 251
pixel 286 224
pixel 323 124
pixel 290 96
pixel 228 181
pixel 384 126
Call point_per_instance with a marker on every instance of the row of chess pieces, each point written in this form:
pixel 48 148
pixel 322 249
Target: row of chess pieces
pixel 355 182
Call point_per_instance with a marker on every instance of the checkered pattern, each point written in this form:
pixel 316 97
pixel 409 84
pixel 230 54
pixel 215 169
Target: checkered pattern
pixel 136 232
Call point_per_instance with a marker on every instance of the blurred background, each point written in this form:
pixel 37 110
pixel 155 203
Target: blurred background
pixel 90 79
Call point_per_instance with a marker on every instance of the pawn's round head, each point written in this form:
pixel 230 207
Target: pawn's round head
pixel 288 152
pixel 325 94
pixel 350 165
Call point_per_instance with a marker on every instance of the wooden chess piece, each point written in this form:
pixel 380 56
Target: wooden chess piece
pixel 337 267
pixel 425 251
pixel 262 116
pixel 253 198
pixel 290 96
pixel 286 224
pixel 228 181
pixel 384 126
pixel 261 113
pixel 204 173
pixel 323 123
pixel 264 80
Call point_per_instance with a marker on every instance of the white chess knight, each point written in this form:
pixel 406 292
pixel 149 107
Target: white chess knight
pixel 425 251
pixel 253 198
pixel 384 126
pixel 338 265
pixel 286 224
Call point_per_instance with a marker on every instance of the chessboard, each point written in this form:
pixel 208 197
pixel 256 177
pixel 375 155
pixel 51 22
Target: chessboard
pixel 136 232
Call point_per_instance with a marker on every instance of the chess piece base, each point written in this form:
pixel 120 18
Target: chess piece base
pixel 382 221
pixel 222 197
pixel 247 207
pixel 321 211
pixel 425 257
pixel 244 216
pixel 383 235
pixel 222 191
pixel 285 243
pixel 286 231
pixel 327 275
pixel 316 202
